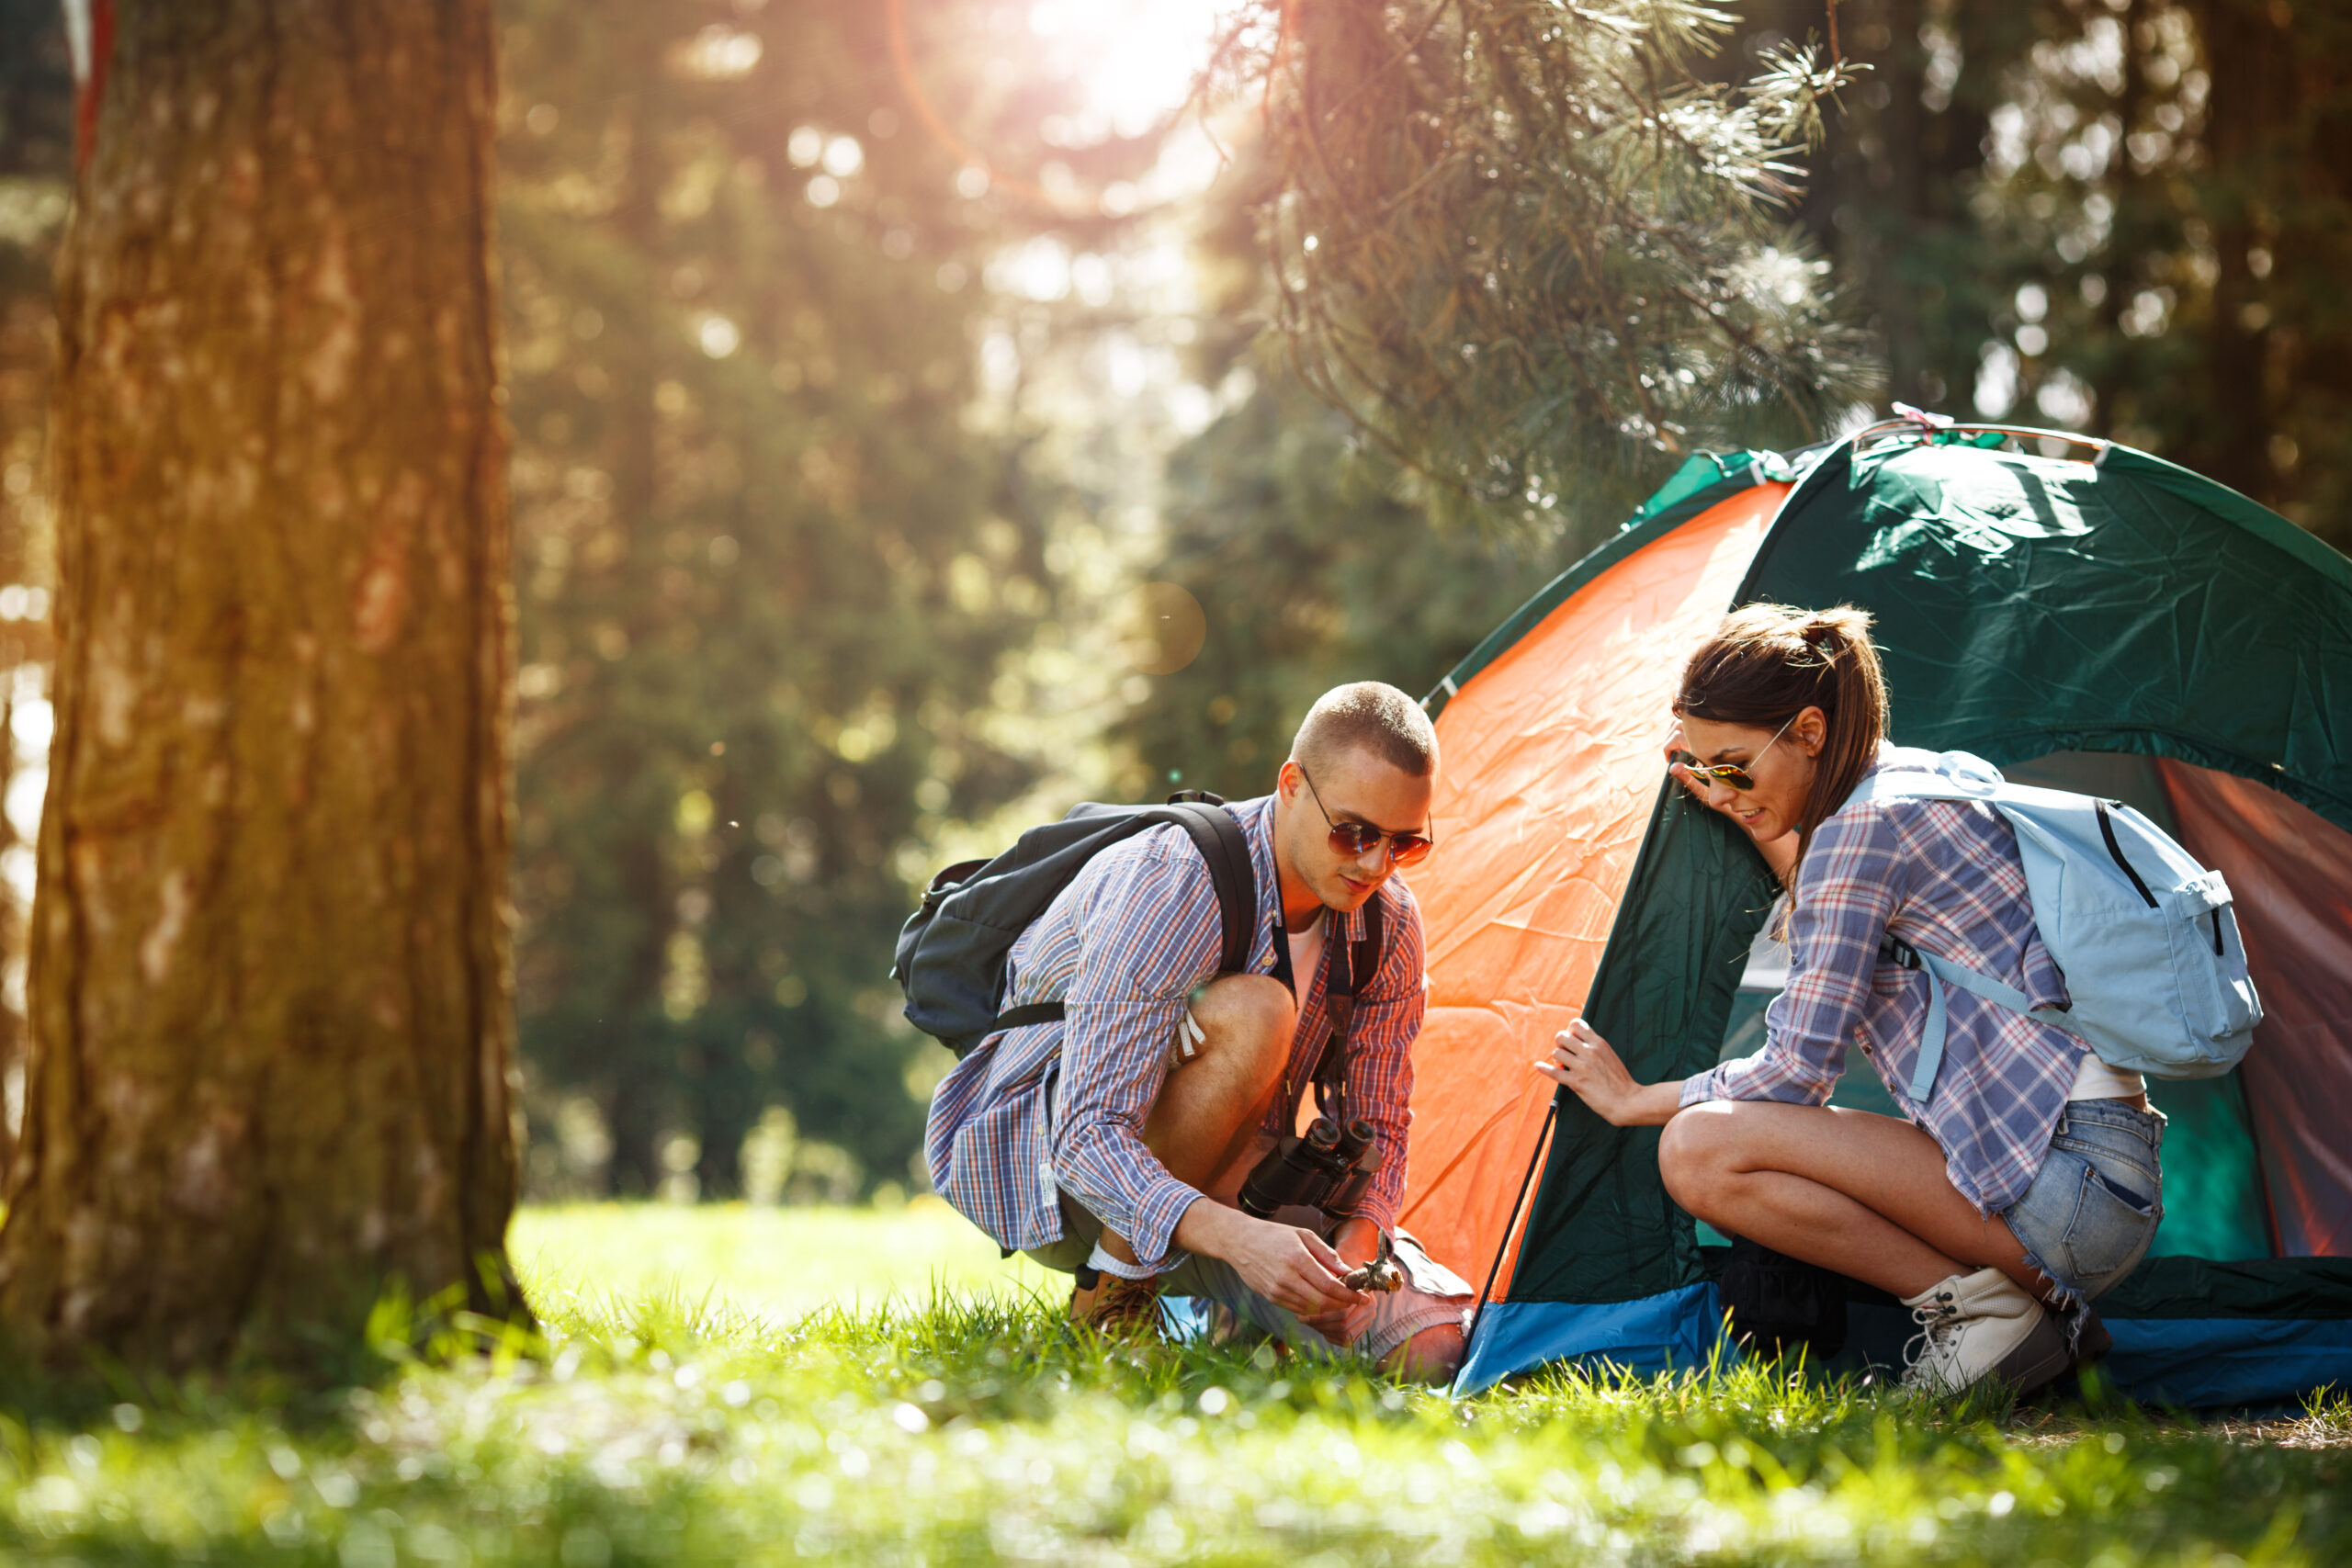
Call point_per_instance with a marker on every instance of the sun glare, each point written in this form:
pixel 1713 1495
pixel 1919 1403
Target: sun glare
pixel 1138 58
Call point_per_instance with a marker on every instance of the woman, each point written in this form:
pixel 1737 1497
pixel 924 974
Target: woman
pixel 2027 1182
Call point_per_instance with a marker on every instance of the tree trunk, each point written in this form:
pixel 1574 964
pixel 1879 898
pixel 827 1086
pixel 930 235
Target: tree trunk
pixel 272 1065
pixel 2139 226
pixel 2255 111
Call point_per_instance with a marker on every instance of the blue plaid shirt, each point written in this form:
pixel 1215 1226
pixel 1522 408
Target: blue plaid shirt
pixel 1944 876
pixel 1056 1107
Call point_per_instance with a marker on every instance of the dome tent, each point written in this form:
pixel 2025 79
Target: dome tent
pixel 2079 613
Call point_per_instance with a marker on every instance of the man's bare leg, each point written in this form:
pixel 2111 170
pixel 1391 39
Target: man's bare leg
pixel 1208 1111
pixel 1861 1193
pixel 1205 1127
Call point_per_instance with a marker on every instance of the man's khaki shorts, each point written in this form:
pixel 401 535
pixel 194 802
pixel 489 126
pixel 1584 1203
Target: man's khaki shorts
pixel 1434 1295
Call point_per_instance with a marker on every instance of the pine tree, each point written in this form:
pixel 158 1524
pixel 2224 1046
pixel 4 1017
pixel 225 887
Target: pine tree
pixel 1536 251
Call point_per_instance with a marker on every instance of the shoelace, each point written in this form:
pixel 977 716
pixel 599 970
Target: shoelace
pixel 1935 1322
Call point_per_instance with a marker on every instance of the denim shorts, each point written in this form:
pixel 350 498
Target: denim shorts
pixel 2094 1204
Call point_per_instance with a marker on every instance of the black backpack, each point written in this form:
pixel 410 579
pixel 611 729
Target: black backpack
pixel 953 953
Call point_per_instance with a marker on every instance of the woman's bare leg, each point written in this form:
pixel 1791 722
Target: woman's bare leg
pixel 1861 1193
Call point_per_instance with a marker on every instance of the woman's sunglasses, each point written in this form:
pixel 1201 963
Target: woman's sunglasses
pixel 1352 838
pixel 1732 773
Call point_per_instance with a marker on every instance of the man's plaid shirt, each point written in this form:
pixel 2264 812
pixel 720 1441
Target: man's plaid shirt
pixel 1061 1106
pixel 1944 876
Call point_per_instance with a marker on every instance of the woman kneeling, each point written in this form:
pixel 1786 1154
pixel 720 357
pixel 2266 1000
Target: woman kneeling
pixel 2027 1182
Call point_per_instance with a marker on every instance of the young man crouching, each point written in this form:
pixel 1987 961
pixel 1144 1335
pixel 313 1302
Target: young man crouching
pixel 1115 1142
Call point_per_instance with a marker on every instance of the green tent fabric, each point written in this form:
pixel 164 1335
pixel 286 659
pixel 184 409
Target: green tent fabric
pixel 2163 614
pixel 2045 612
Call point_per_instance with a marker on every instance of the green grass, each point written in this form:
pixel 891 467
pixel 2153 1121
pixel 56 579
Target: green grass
pixel 773 1264
pixel 672 1414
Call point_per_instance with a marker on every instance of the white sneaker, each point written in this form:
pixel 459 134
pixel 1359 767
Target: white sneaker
pixel 1980 1325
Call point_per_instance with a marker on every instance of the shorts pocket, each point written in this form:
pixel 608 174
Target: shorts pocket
pixel 2109 1234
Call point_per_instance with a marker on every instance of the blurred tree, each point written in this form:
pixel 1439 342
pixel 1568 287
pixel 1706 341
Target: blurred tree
pixel 1894 191
pixel 769 561
pixel 2128 217
pixel 1310 564
pixel 36 94
pixel 1309 572
pixel 270 1008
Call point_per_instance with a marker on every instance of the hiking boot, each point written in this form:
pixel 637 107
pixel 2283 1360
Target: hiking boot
pixel 1120 1308
pixel 1978 1326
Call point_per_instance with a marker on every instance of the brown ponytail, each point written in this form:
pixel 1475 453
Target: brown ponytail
pixel 1767 663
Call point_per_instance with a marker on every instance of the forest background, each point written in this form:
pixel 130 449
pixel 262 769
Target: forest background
pixel 906 445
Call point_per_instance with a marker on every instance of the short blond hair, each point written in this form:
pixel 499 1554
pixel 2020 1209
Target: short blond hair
pixel 1371 716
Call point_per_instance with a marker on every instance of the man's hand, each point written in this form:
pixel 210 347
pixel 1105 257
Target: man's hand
pixel 1292 1268
pixel 1357 1241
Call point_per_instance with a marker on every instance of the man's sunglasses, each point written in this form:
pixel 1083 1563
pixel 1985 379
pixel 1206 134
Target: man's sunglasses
pixel 1732 773
pixel 1353 839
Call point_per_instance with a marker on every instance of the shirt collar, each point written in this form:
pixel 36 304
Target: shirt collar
pixel 1257 819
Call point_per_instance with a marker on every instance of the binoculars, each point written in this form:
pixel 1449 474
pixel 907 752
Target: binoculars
pixel 1329 1169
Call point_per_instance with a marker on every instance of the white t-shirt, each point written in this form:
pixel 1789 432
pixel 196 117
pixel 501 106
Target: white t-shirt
pixel 2096 1080
pixel 1306 952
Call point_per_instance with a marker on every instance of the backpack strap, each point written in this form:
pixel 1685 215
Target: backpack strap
pixel 1942 972
pixel 1348 979
pixel 1226 849
pixel 1220 840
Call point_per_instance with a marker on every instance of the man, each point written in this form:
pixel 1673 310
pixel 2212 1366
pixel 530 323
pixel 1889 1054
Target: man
pixel 1117 1139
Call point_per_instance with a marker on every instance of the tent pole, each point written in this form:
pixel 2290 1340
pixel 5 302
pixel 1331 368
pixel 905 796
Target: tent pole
pixel 1542 1139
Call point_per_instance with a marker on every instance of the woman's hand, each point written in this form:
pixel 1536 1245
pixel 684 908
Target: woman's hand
pixel 1583 1061
pixel 1780 853
pixel 1675 749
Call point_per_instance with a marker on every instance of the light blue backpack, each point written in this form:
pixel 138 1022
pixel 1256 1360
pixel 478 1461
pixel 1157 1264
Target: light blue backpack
pixel 2143 935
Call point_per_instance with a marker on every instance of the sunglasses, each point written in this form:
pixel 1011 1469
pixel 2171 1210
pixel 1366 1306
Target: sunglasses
pixel 1352 838
pixel 1732 773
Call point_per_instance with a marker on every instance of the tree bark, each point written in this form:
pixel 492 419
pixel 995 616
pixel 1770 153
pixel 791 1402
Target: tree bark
pixel 272 1065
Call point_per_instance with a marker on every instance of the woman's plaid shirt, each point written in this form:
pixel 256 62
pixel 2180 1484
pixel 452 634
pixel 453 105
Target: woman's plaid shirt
pixel 1061 1106
pixel 1944 876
